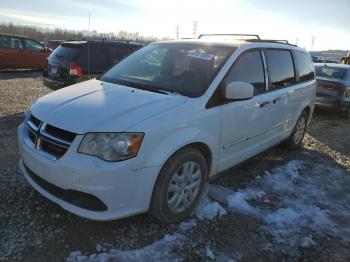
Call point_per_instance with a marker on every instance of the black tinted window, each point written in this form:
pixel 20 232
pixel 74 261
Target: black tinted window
pixel 281 70
pixel 305 66
pixel 249 68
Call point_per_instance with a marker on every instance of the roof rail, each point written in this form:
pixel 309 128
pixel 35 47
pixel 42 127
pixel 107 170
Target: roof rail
pixel 278 41
pixel 256 36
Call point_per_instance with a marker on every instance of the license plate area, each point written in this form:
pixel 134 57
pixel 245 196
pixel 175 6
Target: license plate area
pixel 53 70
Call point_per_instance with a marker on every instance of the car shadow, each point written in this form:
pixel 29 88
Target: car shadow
pixel 18 74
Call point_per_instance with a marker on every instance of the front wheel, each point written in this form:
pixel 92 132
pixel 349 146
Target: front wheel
pixel 296 138
pixel 179 186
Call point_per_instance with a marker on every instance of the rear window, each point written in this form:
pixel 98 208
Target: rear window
pixel 66 52
pixel 305 66
pixel 330 72
pixel 281 69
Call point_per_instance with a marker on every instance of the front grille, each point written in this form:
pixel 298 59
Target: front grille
pixel 77 198
pixel 48 139
pixel 60 133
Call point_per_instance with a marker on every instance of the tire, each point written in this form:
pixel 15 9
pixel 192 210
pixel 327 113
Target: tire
pixel 296 138
pixel 175 185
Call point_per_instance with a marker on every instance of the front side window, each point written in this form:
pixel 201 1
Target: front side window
pixel 249 69
pixel 184 68
pixel 330 72
pixel 16 43
pixel 33 46
pixel 305 66
pixel 280 67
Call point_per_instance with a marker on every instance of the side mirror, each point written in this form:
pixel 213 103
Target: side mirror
pixel 239 91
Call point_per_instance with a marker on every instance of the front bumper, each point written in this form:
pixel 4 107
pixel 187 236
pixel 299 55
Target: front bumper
pixel 122 190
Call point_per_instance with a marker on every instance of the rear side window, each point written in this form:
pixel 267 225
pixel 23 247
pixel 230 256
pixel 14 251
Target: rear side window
pixel 249 69
pixel 305 66
pixel 118 52
pixel 16 43
pixel 281 68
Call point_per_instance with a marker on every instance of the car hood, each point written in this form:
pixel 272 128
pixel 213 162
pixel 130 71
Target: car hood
pixel 95 106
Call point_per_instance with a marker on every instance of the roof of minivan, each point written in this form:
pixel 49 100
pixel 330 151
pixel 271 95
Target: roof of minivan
pixel 20 36
pixel 83 42
pixel 233 43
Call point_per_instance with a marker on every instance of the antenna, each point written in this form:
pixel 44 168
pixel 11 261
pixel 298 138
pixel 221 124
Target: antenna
pixel 177 32
pixel 312 43
pixel 195 25
pixel 89 22
pixel 88 48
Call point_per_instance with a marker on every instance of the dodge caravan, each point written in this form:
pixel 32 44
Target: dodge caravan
pixel 149 133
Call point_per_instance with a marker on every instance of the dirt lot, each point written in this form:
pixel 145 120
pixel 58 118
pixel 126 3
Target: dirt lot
pixel 281 205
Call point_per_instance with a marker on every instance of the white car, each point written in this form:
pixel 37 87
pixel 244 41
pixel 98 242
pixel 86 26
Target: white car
pixel 150 132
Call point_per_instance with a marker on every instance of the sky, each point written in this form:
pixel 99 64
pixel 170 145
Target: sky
pixel 325 21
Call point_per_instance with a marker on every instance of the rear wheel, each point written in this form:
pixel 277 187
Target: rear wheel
pixel 296 138
pixel 179 186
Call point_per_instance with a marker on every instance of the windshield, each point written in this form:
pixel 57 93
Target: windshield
pixel 330 72
pixel 182 68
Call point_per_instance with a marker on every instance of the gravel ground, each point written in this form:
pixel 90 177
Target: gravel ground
pixel 34 229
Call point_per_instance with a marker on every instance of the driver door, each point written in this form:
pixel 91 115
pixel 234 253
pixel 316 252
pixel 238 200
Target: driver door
pixel 247 126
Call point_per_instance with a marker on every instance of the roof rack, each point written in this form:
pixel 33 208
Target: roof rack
pixel 256 36
pixel 278 41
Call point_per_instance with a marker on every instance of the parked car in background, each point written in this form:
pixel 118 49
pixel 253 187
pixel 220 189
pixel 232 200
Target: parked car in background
pixel 20 52
pixel 151 131
pixel 333 87
pixel 53 44
pixel 75 61
pixel 346 59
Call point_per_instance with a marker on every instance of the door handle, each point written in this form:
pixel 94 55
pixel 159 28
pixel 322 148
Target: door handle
pixel 276 100
pixel 263 104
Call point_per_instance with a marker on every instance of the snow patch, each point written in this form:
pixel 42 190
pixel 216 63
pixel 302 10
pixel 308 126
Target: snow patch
pixel 161 250
pixel 292 203
pixel 208 209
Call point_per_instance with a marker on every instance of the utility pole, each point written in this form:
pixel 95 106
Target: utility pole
pixel 195 25
pixel 312 43
pixel 177 32
pixel 296 41
pixel 89 24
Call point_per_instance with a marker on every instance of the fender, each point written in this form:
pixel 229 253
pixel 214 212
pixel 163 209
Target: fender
pixel 164 148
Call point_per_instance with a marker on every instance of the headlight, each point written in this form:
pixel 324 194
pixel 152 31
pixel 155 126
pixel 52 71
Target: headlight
pixel 111 146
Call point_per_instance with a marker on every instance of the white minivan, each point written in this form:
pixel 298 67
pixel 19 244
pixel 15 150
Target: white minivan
pixel 149 133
